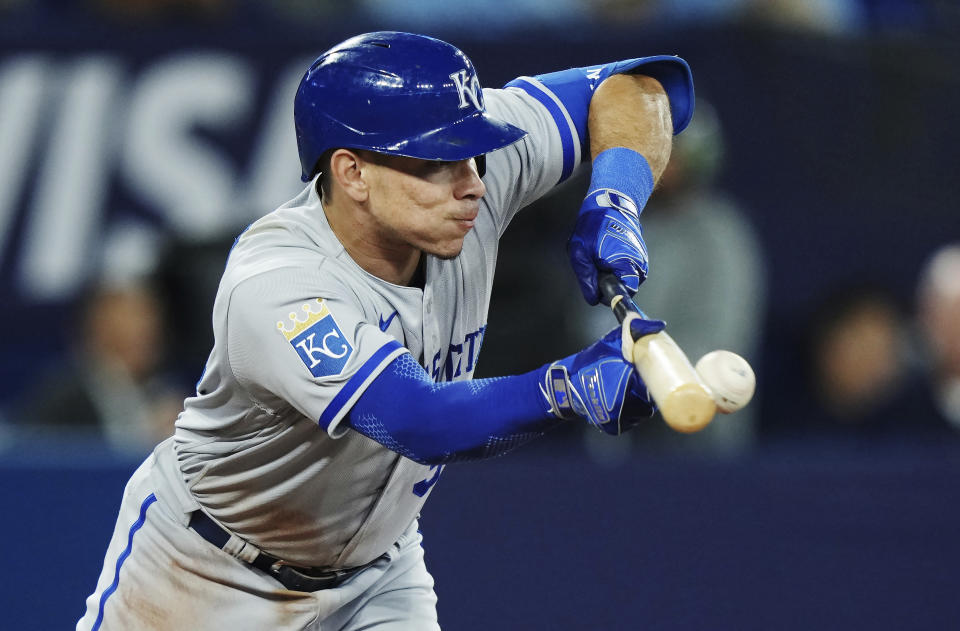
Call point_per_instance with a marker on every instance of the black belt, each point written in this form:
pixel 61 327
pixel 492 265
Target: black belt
pixel 293 577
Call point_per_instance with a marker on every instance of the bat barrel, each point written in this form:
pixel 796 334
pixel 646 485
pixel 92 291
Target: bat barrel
pixel 687 408
pixel 685 402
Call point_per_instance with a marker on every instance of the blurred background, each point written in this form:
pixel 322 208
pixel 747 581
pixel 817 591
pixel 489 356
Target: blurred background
pixel 808 221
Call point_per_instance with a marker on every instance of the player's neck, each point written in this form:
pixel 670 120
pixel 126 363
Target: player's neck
pixel 392 261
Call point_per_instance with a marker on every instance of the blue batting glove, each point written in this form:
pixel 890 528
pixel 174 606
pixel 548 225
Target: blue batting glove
pixel 599 385
pixel 607 235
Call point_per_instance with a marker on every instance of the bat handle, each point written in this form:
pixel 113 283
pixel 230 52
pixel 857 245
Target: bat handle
pixel 685 402
pixel 610 289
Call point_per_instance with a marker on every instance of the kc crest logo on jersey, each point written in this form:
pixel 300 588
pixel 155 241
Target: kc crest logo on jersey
pixel 317 338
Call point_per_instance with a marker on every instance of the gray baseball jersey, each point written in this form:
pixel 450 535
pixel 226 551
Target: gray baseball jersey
pixel 301 330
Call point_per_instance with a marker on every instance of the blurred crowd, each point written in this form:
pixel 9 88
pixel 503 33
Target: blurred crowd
pixel 822 16
pixel 869 364
pixel 866 365
pixel 112 383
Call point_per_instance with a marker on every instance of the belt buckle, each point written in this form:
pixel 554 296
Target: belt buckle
pixel 277 564
pixel 293 578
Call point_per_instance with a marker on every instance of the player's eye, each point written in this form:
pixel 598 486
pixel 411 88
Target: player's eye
pixel 434 166
pixel 431 167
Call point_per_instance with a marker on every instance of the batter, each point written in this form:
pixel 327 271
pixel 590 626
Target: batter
pixel 348 324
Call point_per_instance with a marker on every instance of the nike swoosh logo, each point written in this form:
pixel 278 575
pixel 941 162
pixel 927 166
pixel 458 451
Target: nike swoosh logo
pixel 385 324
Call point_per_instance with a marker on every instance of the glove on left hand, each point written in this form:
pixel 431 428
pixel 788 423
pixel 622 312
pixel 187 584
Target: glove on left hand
pixel 607 235
pixel 599 385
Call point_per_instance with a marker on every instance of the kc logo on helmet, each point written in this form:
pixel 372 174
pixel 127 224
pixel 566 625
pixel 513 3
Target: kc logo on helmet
pixel 317 339
pixel 468 87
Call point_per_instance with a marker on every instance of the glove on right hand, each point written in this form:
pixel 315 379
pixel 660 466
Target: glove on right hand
pixel 599 385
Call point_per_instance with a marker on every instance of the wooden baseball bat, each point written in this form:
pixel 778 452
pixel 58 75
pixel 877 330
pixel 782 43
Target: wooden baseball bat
pixel 685 401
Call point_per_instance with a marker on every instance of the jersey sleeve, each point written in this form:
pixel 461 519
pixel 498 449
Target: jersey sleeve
pixel 553 109
pixel 521 173
pixel 295 341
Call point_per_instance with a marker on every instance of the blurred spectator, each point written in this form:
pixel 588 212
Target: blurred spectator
pixel 861 382
pixel 828 17
pixel 939 319
pixel 858 363
pixel 111 383
pixel 706 279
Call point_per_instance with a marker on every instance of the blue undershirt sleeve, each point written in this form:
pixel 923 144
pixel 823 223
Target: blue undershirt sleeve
pixel 436 423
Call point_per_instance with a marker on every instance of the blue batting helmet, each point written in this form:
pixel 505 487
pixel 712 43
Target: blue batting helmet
pixel 395 93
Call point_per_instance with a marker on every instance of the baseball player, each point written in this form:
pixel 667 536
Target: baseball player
pixel 348 324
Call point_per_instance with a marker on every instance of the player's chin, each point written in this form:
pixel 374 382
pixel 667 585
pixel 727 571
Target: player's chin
pixel 449 249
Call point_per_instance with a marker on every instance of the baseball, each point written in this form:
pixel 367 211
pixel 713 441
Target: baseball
pixel 730 378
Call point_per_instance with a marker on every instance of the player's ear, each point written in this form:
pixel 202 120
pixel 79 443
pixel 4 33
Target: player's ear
pixel 347 173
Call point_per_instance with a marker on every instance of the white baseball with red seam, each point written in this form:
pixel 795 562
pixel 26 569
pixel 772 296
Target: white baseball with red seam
pixel 729 377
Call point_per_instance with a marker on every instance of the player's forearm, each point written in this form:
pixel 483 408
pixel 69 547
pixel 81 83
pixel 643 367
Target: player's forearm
pixel 632 111
pixel 631 131
pixel 435 423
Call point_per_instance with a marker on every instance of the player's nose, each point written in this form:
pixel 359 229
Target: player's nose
pixel 469 185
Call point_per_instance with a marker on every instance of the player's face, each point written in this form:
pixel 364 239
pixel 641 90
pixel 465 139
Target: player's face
pixel 426 204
